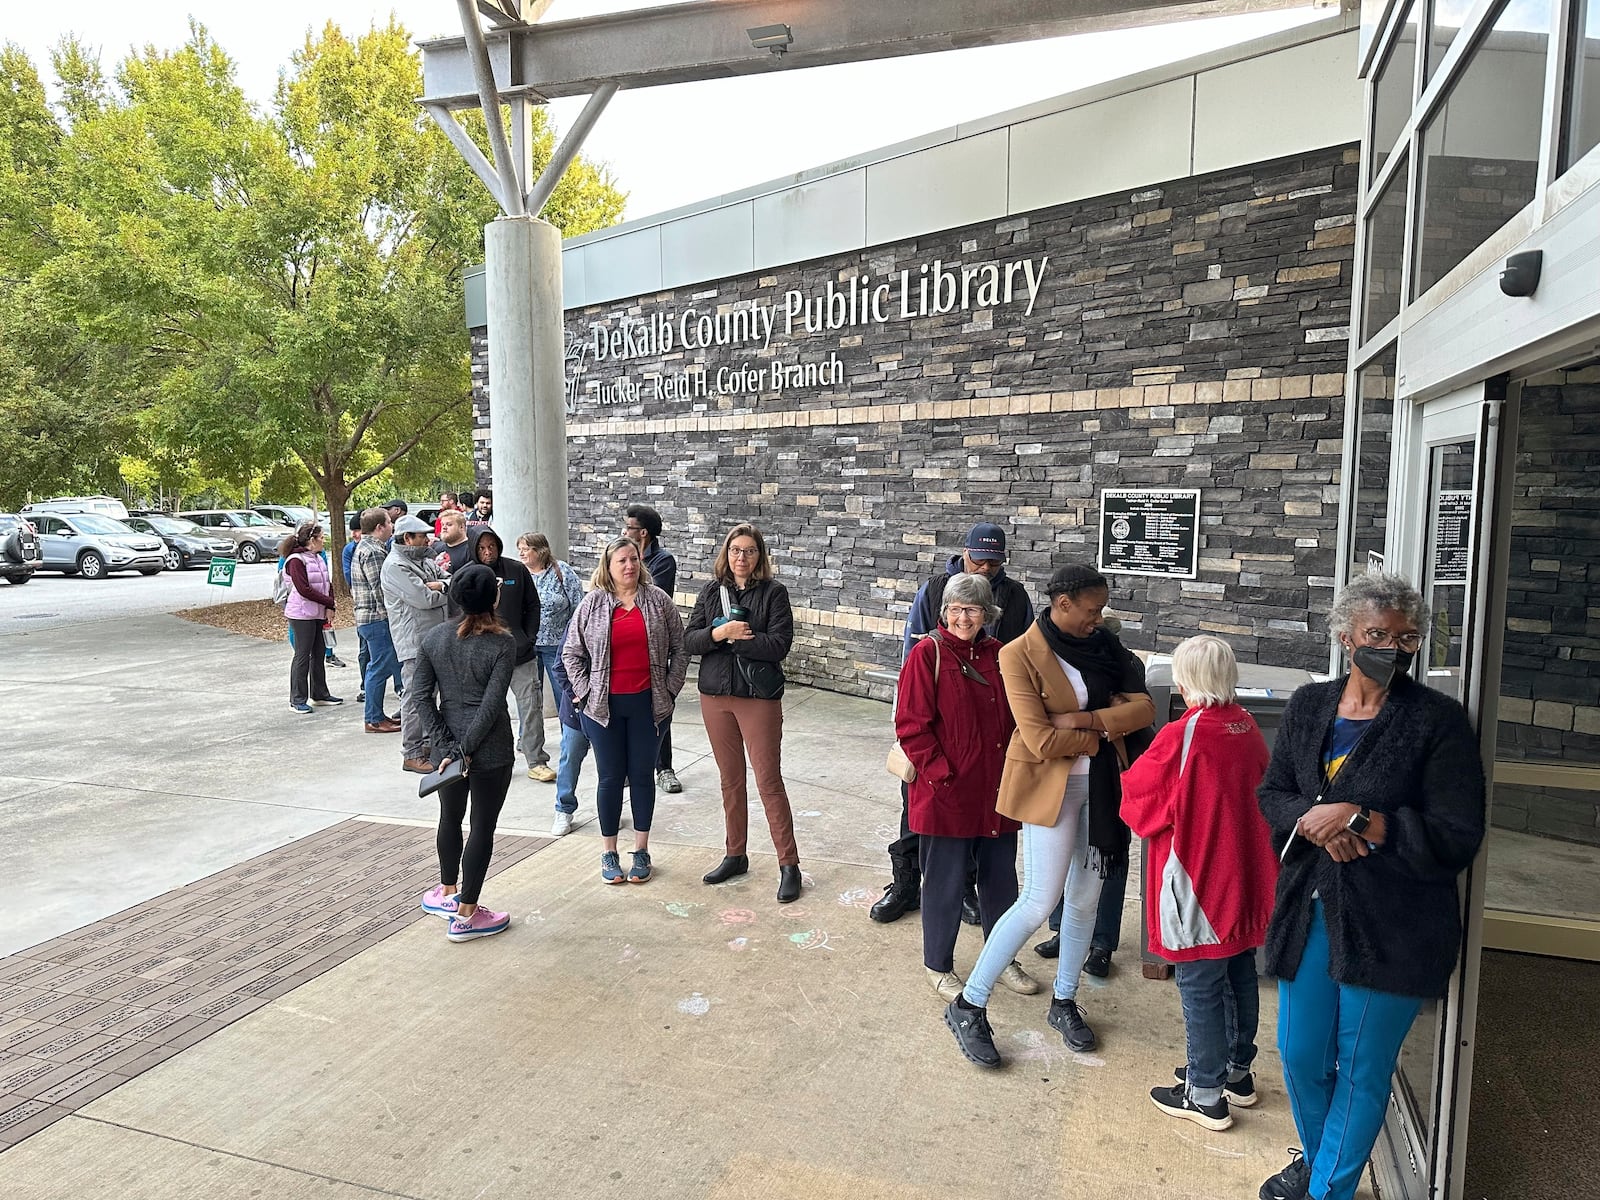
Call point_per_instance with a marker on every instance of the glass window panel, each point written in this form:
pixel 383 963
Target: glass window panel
pixel 1481 147
pixel 1442 30
pixel 1386 236
pixel 1392 90
pixel 1369 509
pixel 1583 94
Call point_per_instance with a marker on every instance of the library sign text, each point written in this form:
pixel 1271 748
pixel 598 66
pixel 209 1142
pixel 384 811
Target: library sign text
pixel 933 289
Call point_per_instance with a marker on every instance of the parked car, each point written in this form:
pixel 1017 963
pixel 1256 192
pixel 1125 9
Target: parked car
pixel 19 548
pixel 93 545
pixel 254 536
pixel 285 514
pixel 108 506
pixel 188 545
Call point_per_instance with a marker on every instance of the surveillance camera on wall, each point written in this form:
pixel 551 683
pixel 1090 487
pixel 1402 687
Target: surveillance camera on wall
pixel 1521 274
pixel 775 38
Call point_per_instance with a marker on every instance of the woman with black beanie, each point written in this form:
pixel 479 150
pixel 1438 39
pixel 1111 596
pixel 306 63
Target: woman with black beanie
pixel 470 664
pixel 1076 693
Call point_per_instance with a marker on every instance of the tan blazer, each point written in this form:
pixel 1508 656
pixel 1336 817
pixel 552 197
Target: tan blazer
pixel 1040 756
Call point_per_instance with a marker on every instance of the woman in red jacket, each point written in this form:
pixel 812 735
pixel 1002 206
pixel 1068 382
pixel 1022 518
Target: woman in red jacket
pixel 1211 872
pixel 953 722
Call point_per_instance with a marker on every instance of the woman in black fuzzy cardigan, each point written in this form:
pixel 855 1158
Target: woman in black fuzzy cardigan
pixel 1375 796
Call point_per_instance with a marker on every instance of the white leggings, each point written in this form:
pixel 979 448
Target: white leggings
pixel 1051 872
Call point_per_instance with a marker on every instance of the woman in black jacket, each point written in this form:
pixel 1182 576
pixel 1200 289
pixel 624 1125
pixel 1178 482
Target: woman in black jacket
pixel 742 629
pixel 470 664
pixel 1375 797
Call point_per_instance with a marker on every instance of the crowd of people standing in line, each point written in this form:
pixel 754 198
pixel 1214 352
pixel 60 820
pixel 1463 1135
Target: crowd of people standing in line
pixel 1335 854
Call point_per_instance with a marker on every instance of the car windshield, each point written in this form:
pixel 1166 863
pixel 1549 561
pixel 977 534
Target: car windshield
pixel 251 518
pixel 175 525
pixel 95 523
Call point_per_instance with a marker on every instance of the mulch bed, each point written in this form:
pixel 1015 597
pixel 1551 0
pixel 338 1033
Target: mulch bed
pixel 254 618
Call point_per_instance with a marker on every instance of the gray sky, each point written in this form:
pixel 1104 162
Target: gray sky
pixel 671 146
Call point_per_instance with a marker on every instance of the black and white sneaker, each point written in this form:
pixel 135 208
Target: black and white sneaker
pixel 1291 1183
pixel 1175 1101
pixel 973 1034
pixel 1240 1094
pixel 1066 1020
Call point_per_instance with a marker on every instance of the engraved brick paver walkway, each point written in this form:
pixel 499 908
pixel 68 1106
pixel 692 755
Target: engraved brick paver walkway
pixel 87 1011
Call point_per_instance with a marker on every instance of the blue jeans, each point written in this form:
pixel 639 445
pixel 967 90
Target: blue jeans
pixel 1053 867
pixel 574 749
pixel 382 666
pixel 625 749
pixel 1108 915
pixel 1221 1010
pixel 1339 1045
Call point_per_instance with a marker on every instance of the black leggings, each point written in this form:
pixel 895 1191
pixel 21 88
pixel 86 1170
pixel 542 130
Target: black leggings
pixel 307 671
pixel 488 787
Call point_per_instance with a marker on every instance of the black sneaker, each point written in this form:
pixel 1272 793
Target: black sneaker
pixel 1242 1094
pixel 1098 963
pixel 1291 1183
pixel 973 1035
pixel 1050 948
pixel 1175 1101
pixel 969 907
pixel 1066 1020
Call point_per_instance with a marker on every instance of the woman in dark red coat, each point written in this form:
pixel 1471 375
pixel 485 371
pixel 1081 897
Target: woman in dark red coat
pixel 953 723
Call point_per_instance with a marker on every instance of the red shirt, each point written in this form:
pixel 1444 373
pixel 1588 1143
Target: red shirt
pixel 630 652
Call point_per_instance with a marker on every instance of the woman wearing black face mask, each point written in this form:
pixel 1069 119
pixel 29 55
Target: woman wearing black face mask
pixel 1375 796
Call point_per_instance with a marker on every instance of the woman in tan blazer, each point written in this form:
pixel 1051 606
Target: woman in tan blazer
pixel 1075 692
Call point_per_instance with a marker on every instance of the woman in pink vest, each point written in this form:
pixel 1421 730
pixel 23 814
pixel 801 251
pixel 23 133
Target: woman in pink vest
pixel 1211 873
pixel 310 603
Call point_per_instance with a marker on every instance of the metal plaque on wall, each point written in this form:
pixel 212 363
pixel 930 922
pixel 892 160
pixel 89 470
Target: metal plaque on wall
pixel 1150 532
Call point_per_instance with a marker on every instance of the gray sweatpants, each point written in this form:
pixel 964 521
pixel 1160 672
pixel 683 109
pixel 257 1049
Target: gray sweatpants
pixel 527 688
pixel 412 737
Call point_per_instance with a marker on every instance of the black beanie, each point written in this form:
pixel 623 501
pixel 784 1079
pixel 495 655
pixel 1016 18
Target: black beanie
pixel 475 588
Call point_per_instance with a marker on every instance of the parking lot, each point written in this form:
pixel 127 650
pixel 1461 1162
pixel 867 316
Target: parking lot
pixel 51 600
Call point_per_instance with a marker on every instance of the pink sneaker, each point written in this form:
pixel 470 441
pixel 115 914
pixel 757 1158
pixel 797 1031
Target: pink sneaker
pixel 482 923
pixel 437 903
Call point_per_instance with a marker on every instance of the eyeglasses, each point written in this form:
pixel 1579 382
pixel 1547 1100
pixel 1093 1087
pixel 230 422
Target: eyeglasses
pixel 963 610
pixel 1380 638
pixel 742 552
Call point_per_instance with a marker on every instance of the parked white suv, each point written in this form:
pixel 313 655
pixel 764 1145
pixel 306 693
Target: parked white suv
pixel 107 506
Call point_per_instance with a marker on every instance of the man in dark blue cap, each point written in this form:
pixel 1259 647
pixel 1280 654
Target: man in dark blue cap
pixel 983 553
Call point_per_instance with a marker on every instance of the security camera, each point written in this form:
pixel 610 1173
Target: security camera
pixel 1521 274
pixel 775 38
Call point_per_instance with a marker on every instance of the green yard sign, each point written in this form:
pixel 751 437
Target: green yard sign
pixel 221 572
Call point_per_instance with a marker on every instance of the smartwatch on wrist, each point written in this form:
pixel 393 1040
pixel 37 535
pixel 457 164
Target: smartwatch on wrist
pixel 1359 820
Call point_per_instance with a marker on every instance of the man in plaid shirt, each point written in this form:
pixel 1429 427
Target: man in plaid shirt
pixel 372 618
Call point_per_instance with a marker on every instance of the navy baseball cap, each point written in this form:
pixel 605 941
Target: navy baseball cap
pixel 986 542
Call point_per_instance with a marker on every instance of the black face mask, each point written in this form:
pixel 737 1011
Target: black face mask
pixel 1381 666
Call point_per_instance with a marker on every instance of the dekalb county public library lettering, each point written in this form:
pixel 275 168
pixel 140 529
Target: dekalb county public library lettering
pixel 1146 289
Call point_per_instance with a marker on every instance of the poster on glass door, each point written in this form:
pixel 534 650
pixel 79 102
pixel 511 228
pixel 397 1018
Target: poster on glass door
pixel 1452 528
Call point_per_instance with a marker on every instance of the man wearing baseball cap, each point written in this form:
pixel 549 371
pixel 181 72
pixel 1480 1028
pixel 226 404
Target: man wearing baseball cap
pixel 983 553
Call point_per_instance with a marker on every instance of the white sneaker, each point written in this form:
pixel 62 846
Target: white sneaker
pixel 947 983
pixel 1018 980
pixel 562 825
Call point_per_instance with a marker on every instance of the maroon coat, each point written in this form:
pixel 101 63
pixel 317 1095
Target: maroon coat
pixel 954 730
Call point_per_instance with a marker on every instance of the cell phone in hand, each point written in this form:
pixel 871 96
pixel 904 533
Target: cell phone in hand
pixel 738 612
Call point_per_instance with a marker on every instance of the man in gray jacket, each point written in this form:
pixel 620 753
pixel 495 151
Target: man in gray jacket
pixel 414 595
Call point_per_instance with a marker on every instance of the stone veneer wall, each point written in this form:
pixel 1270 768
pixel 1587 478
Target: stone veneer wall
pixel 1550 670
pixel 1187 335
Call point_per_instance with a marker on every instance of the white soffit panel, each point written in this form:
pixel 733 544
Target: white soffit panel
pixel 708 245
pixel 811 220
pixel 628 265
pixel 943 187
pixel 1111 145
pixel 1298 99
pixel 573 277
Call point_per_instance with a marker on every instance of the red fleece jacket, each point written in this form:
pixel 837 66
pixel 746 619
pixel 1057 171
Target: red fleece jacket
pixel 1208 853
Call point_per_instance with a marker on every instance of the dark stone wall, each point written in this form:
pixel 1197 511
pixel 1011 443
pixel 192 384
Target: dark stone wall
pixel 1550 671
pixel 1191 334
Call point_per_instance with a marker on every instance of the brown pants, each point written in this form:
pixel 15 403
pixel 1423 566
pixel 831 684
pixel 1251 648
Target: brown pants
pixel 735 724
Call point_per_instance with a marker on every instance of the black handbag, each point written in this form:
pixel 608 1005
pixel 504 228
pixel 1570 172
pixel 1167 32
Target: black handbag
pixel 453 770
pixel 764 679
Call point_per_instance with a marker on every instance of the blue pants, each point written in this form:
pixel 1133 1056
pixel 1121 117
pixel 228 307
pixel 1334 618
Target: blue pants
pixel 1221 1010
pixel 382 666
pixel 1108 916
pixel 1339 1045
pixel 625 749
pixel 574 749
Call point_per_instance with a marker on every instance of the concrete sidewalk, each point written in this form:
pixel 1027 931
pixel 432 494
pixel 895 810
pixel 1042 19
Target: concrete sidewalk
pixel 669 1038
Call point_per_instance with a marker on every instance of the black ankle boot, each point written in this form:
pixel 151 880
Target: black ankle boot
pixel 899 898
pixel 789 883
pixel 730 867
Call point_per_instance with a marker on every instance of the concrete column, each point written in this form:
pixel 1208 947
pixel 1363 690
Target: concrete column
pixel 527 401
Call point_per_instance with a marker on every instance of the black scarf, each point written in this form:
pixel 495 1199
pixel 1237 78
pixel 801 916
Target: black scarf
pixel 1106 668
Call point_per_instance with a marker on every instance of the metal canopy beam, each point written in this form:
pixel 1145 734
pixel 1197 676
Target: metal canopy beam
pixel 707 40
